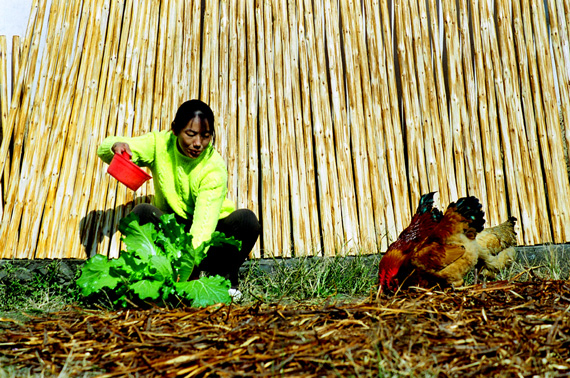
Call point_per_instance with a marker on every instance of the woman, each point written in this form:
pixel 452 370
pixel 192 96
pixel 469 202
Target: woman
pixel 190 180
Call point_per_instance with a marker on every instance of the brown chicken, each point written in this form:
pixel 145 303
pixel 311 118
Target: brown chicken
pixel 497 247
pixel 441 248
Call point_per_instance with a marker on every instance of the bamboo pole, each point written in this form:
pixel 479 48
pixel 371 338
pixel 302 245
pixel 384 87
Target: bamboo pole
pixel 434 147
pixel 158 92
pixel 501 97
pixel 252 118
pixel 86 163
pixel 410 112
pixel 221 79
pixel 3 117
pixel 456 95
pixel 329 169
pixel 280 126
pixel 560 49
pixel 540 214
pixel 422 119
pixel 232 100
pixel 372 217
pixel 45 167
pixel 242 132
pixel 327 214
pixel 194 38
pixel 492 209
pixel 276 173
pixel 445 128
pixel 304 134
pixel 474 154
pixel 58 203
pixel 208 46
pixel 523 168
pixel 116 192
pixel 339 112
pixel 553 134
pixel 391 120
pixel 269 242
pixel 30 47
pixel 519 176
pixel 103 185
pixel 178 85
pixel 98 181
pixel 293 229
pixel 492 139
pixel 125 125
pixel 382 124
pixel 18 186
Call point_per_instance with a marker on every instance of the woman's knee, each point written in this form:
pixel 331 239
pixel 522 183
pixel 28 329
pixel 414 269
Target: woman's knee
pixel 147 213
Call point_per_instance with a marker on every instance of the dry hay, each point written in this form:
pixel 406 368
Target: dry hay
pixel 504 328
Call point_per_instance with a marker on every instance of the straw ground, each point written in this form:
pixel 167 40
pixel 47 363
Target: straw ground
pixel 309 316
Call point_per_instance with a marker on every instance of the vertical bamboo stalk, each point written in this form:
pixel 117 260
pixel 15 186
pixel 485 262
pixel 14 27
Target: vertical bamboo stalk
pixel 492 210
pixel 195 46
pixel 87 160
pixel 45 179
pixel 105 187
pixel 423 128
pixel 125 196
pixel 221 78
pixel 553 134
pixel 30 47
pixel 243 125
pixel 17 121
pixel 269 241
pixel 285 160
pixel 445 128
pixel 415 161
pixel 232 101
pixel 499 89
pixel 390 113
pixel 371 219
pixel 210 55
pixel 527 193
pixel 341 132
pixel 252 118
pixel 178 85
pixel 330 171
pixel 474 154
pixel 520 171
pixel 116 192
pixel 561 51
pixel 529 133
pixel 158 92
pixel 276 173
pixel 327 213
pixel 456 92
pixel 3 116
pixel 57 209
pixel 491 135
pixel 304 135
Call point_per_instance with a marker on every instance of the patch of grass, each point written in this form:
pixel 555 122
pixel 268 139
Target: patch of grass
pixel 306 278
pixel 41 289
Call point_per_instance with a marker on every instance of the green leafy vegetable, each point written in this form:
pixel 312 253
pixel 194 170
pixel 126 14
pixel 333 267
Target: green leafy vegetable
pixel 156 266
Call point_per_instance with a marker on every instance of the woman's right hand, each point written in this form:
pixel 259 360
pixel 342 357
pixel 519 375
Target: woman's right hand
pixel 120 147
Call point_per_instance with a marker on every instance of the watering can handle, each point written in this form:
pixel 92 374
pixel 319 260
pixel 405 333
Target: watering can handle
pixel 126 155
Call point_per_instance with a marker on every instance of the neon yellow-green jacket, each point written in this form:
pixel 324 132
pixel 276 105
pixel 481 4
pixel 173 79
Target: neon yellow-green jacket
pixel 183 185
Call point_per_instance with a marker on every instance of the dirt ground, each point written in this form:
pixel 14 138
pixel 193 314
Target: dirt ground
pixel 501 329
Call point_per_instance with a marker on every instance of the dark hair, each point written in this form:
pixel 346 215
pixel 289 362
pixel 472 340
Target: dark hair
pixel 189 110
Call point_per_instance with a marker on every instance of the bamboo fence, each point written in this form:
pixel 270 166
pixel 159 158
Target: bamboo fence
pixel 333 117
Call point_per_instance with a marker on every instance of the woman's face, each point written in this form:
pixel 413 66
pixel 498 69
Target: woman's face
pixel 194 138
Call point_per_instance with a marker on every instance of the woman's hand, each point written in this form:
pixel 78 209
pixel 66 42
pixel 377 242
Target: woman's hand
pixel 120 147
